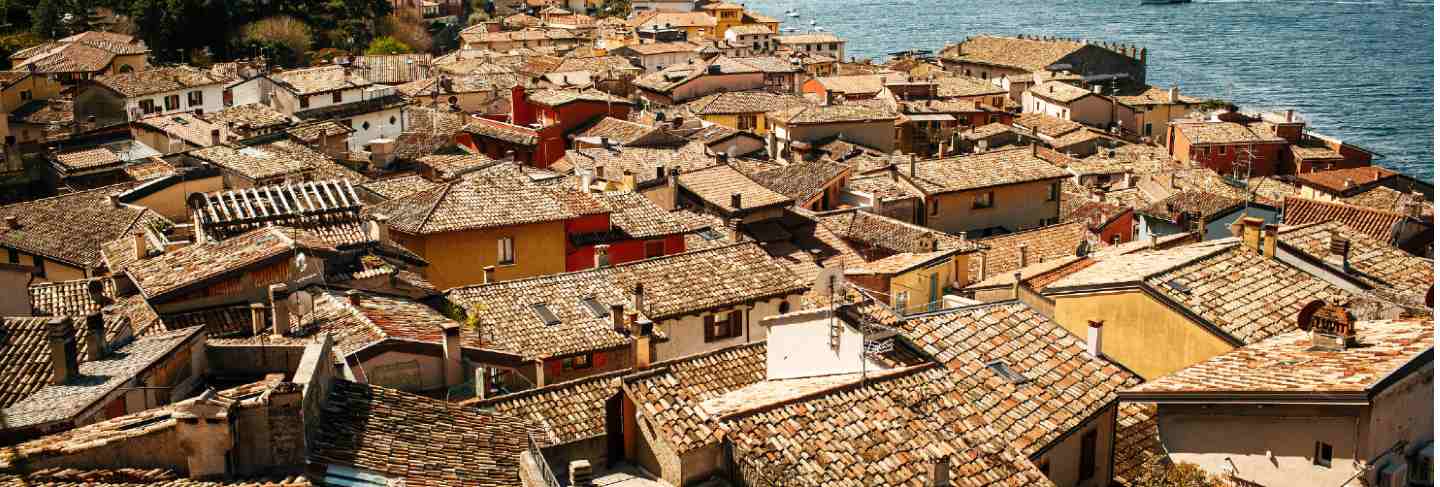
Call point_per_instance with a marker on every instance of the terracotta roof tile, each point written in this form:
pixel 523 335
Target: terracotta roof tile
pixel 801 181
pixel 1045 124
pixel 822 114
pixel 398 187
pixel 1374 261
pixel 1026 54
pixel 1060 91
pixel 478 201
pixel 741 102
pixel 963 87
pixel 636 216
pixel 1378 224
pixel 308 81
pixel 716 185
pixel 50 226
pixel 1063 385
pixel 178 268
pixel 86 159
pixel 158 80
pixel 374 428
pixel 249 118
pixel 447 167
pixel 263 161
pixel 1207 205
pixel 640 161
pixel 1137 441
pixel 1286 364
pixel 673 285
pixel 568 411
pixel 870 230
pixel 1224 133
pixel 1002 254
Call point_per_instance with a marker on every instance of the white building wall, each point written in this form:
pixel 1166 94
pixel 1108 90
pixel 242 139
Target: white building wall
pixel 212 100
pixel 687 334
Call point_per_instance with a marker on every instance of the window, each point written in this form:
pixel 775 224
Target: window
pixel 39 265
pixel 1087 455
pixel 1324 453
pixel 1149 129
pixel 596 309
pixel 1220 151
pixel 304 101
pixel 654 248
pixel 25 95
pixel 722 326
pixel 335 97
pixel 578 362
pixel 507 251
pixel 172 102
pixel 746 122
pixel 543 312
pixel 902 301
pixel 1054 193
pixel 1115 239
pixel 985 200
pixel 392 120
pixel 148 106
pixel 1202 151
pixel 14 256
pixel 195 98
pixel 784 307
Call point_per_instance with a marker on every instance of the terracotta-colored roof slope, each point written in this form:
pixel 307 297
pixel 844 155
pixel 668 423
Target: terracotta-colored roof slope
pixel 994 168
pixel 1027 54
pixel 717 184
pixel 803 180
pixel 671 393
pixel 179 268
pixel 568 411
pixel 1376 262
pixel 872 230
pixel 1137 441
pixel 477 202
pixel 71 228
pixel 885 431
pixel 1062 385
pixel 1002 255
pixel 417 439
pixel 1378 224
pixel 1287 365
pixel 1341 180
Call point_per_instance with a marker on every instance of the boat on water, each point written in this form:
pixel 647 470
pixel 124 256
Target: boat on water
pixel 812 22
pixel 819 29
pixel 792 13
pixel 1162 2
pixel 789 29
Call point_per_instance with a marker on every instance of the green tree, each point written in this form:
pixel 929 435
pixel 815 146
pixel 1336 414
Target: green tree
pixel 46 19
pixel 387 45
pixel 283 39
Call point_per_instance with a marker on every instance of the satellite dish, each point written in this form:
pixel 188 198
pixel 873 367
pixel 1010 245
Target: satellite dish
pixel 828 279
pixel 1307 313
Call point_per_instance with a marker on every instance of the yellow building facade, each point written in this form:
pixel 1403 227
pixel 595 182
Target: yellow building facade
pixel 460 258
pixel 1139 331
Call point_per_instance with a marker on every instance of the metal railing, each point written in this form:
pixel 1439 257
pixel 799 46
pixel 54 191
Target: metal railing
pixel 546 474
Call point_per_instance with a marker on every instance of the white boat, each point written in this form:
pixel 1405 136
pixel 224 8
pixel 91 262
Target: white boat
pixel 789 29
pixel 812 22
pixel 1162 2
pixel 819 29
pixel 792 13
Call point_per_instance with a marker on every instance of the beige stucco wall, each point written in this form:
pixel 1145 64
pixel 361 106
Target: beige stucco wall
pixel 1140 333
pixel 1064 457
pixel 1270 444
pixel 917 282
pixel 686 335
pixel 1402 412
pixel 1090 110
pixel 1016 206
pixel 170 202
pixel 714 83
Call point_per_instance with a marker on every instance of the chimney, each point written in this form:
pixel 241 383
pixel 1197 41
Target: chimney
pixel 733 224
pixel 257 319
pixel 353 296
pixel 587 179
pixel 659 173
pixel 1173 95
pixel 1034 149
pixel 454 366
pixel 940 472
pixel 1331 326
pixel 1093 337
pixel 617 318
pixel 1271 234
pixel 214 136
pixel 1339 252
pixel 673 183
pixel 95 345
pixel 64 358
pixel 581 474
pixel 602 256
pixel 627 180
pixel 489 274
pixel 1015 285
pixel 1153 242
pixel 735 201
pixel 12 223
pixel 279 310
pixel 1024 255
pixel 114 201
pixel 639 302
pixel 380 228
pixel 96 289
pixel 142 248
pixel 1251 232
pixel 984 266
pixel 600 172
pixel 1290 115
pixel 643 331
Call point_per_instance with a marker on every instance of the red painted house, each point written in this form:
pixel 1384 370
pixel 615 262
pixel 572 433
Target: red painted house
pixel 539 123
pixel 1219 145
pixel 635 229
pixel 1110 223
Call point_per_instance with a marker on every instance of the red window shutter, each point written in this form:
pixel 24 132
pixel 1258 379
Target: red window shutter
pixel 600 359
pixel 709 328
pixel 552 367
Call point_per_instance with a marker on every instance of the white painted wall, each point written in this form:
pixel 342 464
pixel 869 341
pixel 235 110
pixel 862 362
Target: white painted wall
pixel 212 100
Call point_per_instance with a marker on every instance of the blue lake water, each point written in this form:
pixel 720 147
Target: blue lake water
pixel 1358 71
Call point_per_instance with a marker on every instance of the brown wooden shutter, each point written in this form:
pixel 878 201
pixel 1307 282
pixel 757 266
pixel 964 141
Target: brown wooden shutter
pixel 735 324
pixel 709 328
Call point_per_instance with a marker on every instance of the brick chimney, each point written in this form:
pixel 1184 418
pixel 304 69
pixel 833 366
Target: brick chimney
pixel 627 180
pixel 64 357
pixel 1093 338
pixel 142 245
pixel 673 183
pixel 1331 326
pixel 214 137
pixel 454 366
pixel 736 200
pixel 1271 234
pixel 95 346
pixel 644 329
pixel 1339 255
pixel 639 298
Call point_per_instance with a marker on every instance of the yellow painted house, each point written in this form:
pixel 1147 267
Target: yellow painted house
pixel 913 282
pixel 1160 311
pixel 487 220
pixel 742 110
pixel 726 15
pixel 18 88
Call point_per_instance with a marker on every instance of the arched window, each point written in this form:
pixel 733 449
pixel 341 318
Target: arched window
pixel 125 68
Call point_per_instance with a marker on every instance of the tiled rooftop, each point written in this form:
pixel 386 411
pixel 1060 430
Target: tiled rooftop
pixel 262 161
pixel 741 102
pixel 250 117
pixel 989 169
pixel 1063 385
pixel 963 86
pixel 640 161
pixel 1045 124
pixel 159 79
pixel 50 227
pixel 1286 364
pixel 1137 441
pixel 568 411
pixel 1339 181
pixel 309 81
pixel 716 184
pixel 398 187
pixel 1060 91
pixel 1206 204
pixel 1374 261
pixel 1224 133
pixel 186 266
pixel 800 181
pixel 821 114
pixel 1026 54
pixel 636 216
pixel 476 201
pixel 673 285
pixel 870 230
pixel 670 396
pixel 96 379
pixel 404 437
pixel 1375 223
pixel 1002 255
pixel 447 167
